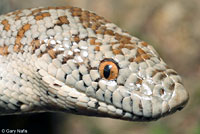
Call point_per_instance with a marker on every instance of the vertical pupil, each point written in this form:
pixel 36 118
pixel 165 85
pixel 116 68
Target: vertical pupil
pixel 106 71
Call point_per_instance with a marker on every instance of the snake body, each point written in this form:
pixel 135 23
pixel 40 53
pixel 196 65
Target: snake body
pixel 71 60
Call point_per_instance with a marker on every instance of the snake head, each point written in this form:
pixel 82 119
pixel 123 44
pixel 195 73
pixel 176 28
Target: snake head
pixel 108 73
pixel 72 60
pixel 133 83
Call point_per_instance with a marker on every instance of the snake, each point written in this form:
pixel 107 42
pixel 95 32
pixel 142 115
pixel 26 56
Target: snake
pixel 68 59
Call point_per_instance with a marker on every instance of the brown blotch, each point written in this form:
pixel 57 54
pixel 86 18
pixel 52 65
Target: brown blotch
pixel 52 53
pixel 98 43
pixel 95 26
pixel 144 44
pixel 109 32
pixel 138 59
pixel 63 20
pixel 100 31
pixel 140 51
pixel 4 50
pixel 17 41
pixel 6 25
pixel 85 24
pixel 145 56
pixel 26 27
pixel 18 45
pixel 76 11
pixel 35 45
pixel 116 51
pixel 17 17
pixel 35 11
pixel 131 59
pixel 40 16
pixel 92 41
pixel 129 46
pixel 46 14
pixel 17 48
pixel 66 58
pixel 139 81
pixel 97 48
pixel 20 33
pixel 16 13
pixel 23 29
pixel 125 42
pixel 76 39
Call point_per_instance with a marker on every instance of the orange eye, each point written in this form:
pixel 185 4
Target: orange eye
pixel 108 69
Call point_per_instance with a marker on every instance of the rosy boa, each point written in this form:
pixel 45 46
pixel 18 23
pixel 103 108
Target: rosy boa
pixel 71 60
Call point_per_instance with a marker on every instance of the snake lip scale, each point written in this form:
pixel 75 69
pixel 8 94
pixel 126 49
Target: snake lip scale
pixel 69 59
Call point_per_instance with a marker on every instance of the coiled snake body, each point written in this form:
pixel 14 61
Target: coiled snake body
pixel 72 60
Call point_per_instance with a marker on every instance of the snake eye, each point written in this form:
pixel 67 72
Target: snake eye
pixel 108 69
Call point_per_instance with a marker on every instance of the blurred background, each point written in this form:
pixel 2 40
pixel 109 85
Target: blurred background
pixel 171 26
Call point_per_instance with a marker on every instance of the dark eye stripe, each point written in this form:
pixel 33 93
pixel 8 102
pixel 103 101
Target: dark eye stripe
pixel 106 71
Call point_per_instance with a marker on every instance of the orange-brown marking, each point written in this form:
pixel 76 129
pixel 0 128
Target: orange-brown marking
pixel 4 50
pixel 116 51
pixel 40 16
pixel 16 13
pixel 138 59
pixel 145 56
pixel 113 70
pixel 97 24
pixel 18 45
pixel 52 53
pixel 76 39
pixel 6 25
pixel 109 32
pixel 17 48
pixel 23 29
pixel 63 20
pixel 98 43
pixel 140 51
pixel 66 58
pixel 97 48
pixel 35 45
pixel 139 81
pixel 144 44
pixel 92 41
pixel 131 59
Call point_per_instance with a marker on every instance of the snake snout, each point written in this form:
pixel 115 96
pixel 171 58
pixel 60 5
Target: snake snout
pixel 179 97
